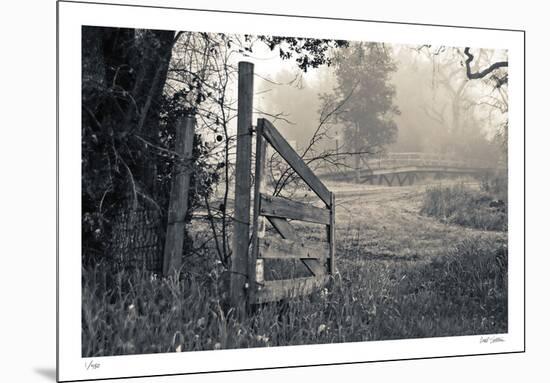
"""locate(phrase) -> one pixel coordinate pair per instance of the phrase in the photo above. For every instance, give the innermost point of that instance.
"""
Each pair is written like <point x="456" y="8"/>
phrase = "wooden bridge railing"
<point x="392" y="160"/>
<point x="402" y="168"/>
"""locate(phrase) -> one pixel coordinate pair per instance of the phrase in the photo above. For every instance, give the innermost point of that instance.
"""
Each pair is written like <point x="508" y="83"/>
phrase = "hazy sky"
<point x="420" y="93"/>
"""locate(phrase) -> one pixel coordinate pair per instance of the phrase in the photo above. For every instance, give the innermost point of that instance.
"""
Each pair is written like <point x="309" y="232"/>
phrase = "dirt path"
<point x="379" y="222"/>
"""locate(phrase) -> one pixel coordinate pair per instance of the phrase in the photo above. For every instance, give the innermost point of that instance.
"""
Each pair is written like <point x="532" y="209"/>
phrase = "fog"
<point x="440" y="109"/>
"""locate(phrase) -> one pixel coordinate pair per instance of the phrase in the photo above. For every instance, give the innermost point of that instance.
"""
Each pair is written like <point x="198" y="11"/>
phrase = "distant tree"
<point x="450" y="76"/>
<point x="363" y="73"/>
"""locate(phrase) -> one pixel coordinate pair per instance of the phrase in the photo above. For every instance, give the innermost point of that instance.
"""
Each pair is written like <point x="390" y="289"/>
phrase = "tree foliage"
<point x="307" y="52"/>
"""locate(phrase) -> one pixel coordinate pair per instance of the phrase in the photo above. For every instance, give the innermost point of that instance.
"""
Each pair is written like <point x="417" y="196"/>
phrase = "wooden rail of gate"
<point x="250" y="246"/>
<point x="318" y="258"/>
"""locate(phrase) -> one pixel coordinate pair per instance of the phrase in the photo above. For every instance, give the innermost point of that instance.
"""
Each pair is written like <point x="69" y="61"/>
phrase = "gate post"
<point x="177" y="208"/>
<point x="239" y="280"/>
<point x="255" y="265"/>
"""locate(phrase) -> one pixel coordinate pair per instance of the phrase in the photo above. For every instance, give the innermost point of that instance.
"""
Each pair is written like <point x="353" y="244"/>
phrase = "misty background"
<point x="439" y="109"/>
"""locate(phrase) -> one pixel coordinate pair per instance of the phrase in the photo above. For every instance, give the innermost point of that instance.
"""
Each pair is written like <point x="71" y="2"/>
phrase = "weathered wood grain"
<point x="259" y="272"/>
<point x="289" y="288"/>
<point x="286" y="231"/>
<point x="315" y="267"/>
<point x="283" y="227"/>
<point x="279" y="207"/>
<point x="259" y="185"/>
<point x="279" y="248"/>
<point x="177" y="206"/>
<point x="241" y="228"/>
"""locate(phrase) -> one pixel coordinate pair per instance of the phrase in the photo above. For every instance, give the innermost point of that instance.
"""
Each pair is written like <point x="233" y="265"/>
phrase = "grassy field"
<point x="402" y="274"/>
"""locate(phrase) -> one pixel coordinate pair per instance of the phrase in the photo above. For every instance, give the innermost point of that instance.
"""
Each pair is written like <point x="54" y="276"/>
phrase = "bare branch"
<point x="483" y="73"/>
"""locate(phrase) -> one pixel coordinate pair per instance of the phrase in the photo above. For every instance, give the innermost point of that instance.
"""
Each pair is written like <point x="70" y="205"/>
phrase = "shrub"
<point x="466" y="206"/>
<point x="496" y="185"/>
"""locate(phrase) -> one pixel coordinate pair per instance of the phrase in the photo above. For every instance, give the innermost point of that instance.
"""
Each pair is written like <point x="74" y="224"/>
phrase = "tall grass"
<point x="496" y="185"/>
<point x="463" y="205"/>
<point x="464" y="291"/>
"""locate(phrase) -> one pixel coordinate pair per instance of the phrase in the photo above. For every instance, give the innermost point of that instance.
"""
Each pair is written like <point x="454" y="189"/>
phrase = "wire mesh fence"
<point x="137" y="239"/>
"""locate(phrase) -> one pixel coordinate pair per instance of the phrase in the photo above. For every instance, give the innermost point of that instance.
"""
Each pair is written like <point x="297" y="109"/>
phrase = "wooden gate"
<point x="250" y="246"/>
<point x="317" y="257"/>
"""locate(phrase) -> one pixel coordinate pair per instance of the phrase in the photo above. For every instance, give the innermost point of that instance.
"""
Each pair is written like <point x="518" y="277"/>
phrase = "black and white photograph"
<point x="274" y="191"/>
<point x="334" y="191"/>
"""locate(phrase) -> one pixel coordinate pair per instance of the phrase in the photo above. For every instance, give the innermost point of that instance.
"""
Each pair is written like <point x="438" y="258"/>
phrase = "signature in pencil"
<point x="491" y="339"/>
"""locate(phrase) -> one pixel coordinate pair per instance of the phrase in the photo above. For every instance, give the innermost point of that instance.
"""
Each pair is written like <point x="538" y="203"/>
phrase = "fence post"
<point x="177" y="208"/>
<point x="241" y="230"/>
<point x="255" y="265"/>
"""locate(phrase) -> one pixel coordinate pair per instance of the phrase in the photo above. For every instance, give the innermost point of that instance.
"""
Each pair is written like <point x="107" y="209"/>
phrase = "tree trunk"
<point x="123" y="76"/>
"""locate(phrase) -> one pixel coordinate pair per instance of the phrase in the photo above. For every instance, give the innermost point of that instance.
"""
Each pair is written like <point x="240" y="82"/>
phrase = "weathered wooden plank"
<point x="279" y="248"/>
<point x="289" y="288"/>
<point x="295" y="161"/>
<point x="315" y="267"/>
<point x="259" y="272"/>
<point x="279" y="207"/>
<point x="259" y="182"/>
<point x="177" y="207"/>
<point x="285" y="229"/>
<point x="240" y="261"/>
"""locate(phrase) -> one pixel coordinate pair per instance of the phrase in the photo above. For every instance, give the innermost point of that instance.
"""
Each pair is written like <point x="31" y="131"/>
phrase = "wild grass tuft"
<point x="462" y="205"/>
